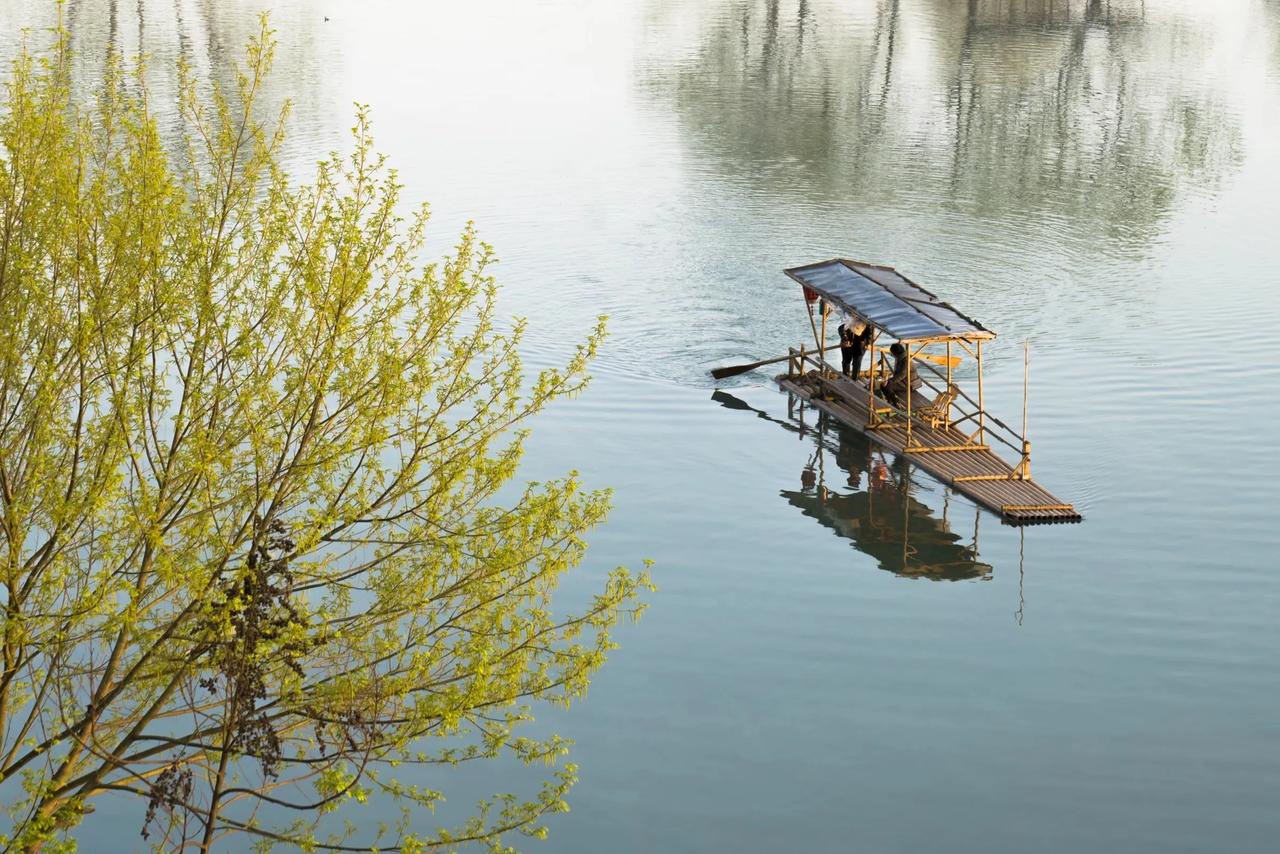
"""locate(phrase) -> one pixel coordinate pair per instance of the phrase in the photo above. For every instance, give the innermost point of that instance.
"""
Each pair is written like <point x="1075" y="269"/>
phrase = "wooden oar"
<point x="734" y="370"/>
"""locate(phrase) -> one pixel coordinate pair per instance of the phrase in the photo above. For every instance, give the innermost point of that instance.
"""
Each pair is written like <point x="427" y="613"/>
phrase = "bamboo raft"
<point x="937" y="434"/>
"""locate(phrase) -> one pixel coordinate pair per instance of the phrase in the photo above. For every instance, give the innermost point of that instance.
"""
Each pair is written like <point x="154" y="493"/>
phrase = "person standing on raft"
<point x="852" y="346"/>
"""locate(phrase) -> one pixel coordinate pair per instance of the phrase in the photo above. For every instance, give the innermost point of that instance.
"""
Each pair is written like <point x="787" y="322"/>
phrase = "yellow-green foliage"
<point x="249" y="452"/>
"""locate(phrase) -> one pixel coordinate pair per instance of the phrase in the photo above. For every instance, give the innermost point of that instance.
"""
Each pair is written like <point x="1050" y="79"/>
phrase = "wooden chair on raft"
<point x="937" y="413"/>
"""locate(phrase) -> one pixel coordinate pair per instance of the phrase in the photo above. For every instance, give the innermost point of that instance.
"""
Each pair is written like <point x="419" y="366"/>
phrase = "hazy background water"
<point x="1101" y="178"/>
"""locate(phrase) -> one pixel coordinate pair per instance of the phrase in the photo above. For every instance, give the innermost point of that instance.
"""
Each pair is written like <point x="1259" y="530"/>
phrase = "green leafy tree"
<point x="254" y="551"/>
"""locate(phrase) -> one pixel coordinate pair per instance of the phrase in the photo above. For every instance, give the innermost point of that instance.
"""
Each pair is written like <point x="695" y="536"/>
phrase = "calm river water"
<point x="887" y="670"/>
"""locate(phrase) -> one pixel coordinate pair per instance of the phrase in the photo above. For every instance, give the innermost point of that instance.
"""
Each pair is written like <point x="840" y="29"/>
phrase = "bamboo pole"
<point x="871" y="381"/>
<point x="809" y="308"/>
<point x="1026" y="370"/>
<point x="1026" y="443"/>
<point x="909" y="396"/>
<point x="1031" y="508"/>
<point x="822" y="359"/>
<point x="982" y="410"/>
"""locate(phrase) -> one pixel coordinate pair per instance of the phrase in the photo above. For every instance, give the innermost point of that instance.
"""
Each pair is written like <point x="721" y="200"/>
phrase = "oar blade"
<point x="733" y="370"/>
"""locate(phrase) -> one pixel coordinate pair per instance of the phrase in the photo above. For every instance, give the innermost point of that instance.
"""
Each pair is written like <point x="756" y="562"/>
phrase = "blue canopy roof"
<point x="887" y="300"/>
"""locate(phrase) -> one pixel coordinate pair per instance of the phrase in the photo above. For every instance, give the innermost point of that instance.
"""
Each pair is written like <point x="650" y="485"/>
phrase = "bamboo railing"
<point x="800" y="360"/>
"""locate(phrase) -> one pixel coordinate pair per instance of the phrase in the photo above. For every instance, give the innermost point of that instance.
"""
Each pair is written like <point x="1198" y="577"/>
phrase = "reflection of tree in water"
<point x="1001" y="108"/>
<point x="1076" y="119"/>
<point x="210" y="36"/>
<point x="1273" y="24"/>
<point x="867" y="496"/>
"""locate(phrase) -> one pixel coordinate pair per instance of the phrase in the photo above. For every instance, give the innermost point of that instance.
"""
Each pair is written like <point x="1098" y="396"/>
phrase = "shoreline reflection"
<point x="1054" y="121"/>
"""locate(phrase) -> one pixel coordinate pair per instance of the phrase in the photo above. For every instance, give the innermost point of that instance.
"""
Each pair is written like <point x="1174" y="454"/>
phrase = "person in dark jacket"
<point x="861" y="343"/>
<point x="847" y="339"/>
<point x="897" y="387"/>
<point x="852" y="346"/>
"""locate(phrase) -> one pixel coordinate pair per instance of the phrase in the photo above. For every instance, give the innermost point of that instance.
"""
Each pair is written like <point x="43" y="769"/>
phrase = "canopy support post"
<point x="871" y="378"/>
<point x="809" y="307"/>
<point x="982" y="410"/>
<point x="909" y="396"/>
<point x="822" y="358"/>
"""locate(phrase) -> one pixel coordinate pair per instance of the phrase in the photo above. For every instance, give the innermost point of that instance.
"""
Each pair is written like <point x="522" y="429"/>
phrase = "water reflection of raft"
<point x="868" y="500"/>
<point x="897" y="530"/>
<point x="947" y="432"/>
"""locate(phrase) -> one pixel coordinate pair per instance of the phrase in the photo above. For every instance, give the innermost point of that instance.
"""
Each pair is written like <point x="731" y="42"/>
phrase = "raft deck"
<point x="979" y="474"/>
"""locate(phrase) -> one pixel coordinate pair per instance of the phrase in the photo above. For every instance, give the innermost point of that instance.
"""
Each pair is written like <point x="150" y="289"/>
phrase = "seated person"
<point x="896" y="387"/>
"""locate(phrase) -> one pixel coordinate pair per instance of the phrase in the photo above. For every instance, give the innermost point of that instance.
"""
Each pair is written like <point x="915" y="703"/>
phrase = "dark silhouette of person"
<point x="862" y="343"/>
<point x="852" y="346"/>
<point x="846" y="347"/>
<point x="854" y="456"/>
<point x="808" y="478"/>
<point x="897" y="387"/>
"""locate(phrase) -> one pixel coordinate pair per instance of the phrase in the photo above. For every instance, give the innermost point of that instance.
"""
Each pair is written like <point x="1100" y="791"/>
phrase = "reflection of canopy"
<point x="887" y="300"/>
<point x="897" y="530"/>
